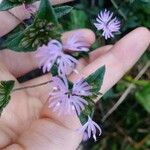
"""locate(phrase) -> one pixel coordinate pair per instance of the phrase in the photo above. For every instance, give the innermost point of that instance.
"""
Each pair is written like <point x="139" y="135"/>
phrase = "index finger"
<point x="9" y="22"/>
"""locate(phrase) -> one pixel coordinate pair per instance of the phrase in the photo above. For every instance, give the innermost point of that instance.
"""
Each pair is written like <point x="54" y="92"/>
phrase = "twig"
<point x="122" y="132"/>
<point x="32" y="86"/>
<point x="93" y="3"/>
<point x="118" y="9"/>
<point x="125" y="94"/>
<point x="142" y="142"/>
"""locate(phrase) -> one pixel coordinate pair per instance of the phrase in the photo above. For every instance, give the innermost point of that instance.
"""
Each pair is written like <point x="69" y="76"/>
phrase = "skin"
<point x="27" y="123"/>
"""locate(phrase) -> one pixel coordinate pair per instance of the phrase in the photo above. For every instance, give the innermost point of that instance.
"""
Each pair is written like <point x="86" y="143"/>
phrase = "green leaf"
<point x="13" y="43"/>
<point x="46" y="11"/>
<point x="12" y="40"/>
<point x="88" y="111"/>
<point x="62" y="11"/>
<point x="143" y="97"/>
<point x="79" y="55"/>
<point x="96" y="79"/>
<point x="5" y="91"/>
<point x="5" y="5"/>
<point x="78" y="19"/>
<point x="17" y="40"/>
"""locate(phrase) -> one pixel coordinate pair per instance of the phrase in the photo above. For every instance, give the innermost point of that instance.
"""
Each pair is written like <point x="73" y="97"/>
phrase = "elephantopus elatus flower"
<point x="55" y="53"/>
<point x="90" y="128"/>
<point x="66" y="100"/>
<point x="107" y="24"/>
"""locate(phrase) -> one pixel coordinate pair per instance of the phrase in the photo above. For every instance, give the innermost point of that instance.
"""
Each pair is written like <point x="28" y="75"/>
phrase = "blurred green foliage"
<point x="128" y="128"/>
<point x="143" y="97"/>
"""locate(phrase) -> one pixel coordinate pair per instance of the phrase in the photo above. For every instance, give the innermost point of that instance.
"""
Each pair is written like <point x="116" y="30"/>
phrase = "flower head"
<point x="66" y="64"/>
<point x="30" y="8"/>
<point x="82" y="88"/>
<point x="107" y="24"/>
<point x="65" y="100"/>
<point x="76" y="43"/>
<point x="53" y="54"/>
<point x="90" y="128"/>
<point x="38" y="33"/>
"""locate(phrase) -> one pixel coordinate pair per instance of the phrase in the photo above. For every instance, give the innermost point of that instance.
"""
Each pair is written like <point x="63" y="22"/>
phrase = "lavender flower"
<point x="65" y="100"/>
<point x="30" y="8"/>
<point x="53" y="53"/>
<point x="81" y="88"/>
<point x="89" y="129"/>
<point x="76" y="43"/>
<point x="107" y="24"/>
<point x="66" y="64"/>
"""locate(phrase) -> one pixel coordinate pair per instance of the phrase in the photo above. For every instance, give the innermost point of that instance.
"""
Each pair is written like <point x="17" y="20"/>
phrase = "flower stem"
<point x="126" y="93"/>
<point x="31" y="86"/>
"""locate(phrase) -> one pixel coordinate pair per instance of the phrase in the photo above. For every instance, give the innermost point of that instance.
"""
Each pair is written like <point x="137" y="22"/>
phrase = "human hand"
<point x="27" y="122"/>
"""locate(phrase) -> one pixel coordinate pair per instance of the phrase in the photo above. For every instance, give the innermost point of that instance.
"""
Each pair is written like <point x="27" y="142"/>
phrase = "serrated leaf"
<point x="13" y="43"/>
<point x="62" y="11"/>
<point x="5" y="91"/>
<point x="46" y="12"/>
<point x="6" y="4"/>
<point x="96" y="79"/>
<point x="12" y="40"/>
<point x="143" y="97"/>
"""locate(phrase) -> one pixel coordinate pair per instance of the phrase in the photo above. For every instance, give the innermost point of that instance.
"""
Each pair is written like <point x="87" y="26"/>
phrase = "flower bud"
<point x="40" y="32"/>
<point x="36" y="43"/>
<point x="31" y="35"/>
<point x="25" y="42"/>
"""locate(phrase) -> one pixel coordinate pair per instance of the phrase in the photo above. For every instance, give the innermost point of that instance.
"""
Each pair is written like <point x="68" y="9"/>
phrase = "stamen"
<point x="94" y="137"/>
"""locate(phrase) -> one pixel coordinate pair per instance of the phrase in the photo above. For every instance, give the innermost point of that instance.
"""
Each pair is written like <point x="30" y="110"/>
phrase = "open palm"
<point x="27" y="122"/>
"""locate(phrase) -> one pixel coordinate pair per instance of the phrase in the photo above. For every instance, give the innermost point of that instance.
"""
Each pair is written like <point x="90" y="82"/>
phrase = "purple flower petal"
<point x="30" y="8"/>
<point x="53" y="54"/>
<point x="90" y="128"/>
<point x="63" y="100"/>
<point x="60" y="84"/>
<point x="82" y="88"/>
<point x="76" y="43"/>
<point x="66" y="64"/>
<point x="78" y="103"/>
<point x="85" y="136"/>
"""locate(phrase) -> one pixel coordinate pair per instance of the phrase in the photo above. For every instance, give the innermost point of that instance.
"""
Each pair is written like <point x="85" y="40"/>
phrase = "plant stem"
<point x="125" y="94"/>
<point x="93" y="3"/>
<point x="32" y="86"/>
